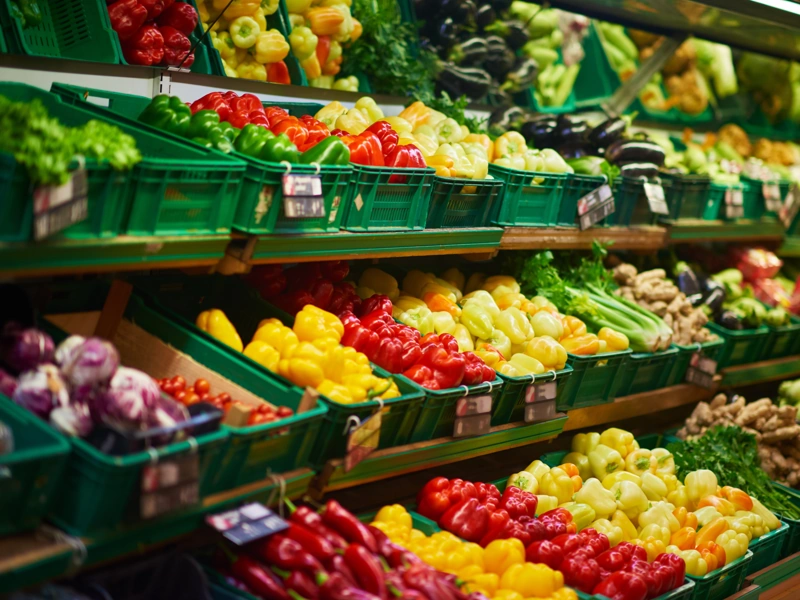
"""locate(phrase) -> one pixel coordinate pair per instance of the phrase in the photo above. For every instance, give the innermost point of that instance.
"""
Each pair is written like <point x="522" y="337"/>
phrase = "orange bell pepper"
<point x="582" y="345"/>
<point x="711" y="531"/>
<point x="723" y="506"/>
<point x="573" y="327"/>
<point x="715" y="550"/>
<point x="739" y="498"/>
<point x="684" y="538"/>
<point x="685" y="517"/>
<point x="440" y="303"/>
<point x="415" y="113"/>
<point x="574" y="475"/>
<point x="711" y="561"/>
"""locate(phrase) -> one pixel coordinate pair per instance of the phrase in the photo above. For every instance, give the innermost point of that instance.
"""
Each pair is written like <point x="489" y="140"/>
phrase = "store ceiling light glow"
<point x="785" y="5"/>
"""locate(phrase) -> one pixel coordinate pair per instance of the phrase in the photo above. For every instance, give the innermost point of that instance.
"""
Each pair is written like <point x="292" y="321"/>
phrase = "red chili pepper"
<point x="581" y="573"/>
<point x="427" y="581"/>
<point x="336" y="587"/>
<point x="674" y="561"/>
<point x="261" y="581"/>
<point x="620" y="586"/>
<point x="545" y="551"/>
<point x="518" y="502"/>
<point x="215" y="101"/>
<point x="367" y="569"/>
<point x="293" y="127"/>
<point x="155" y="7"/>
<point x="337" y="564"/>
<point x="180" y="15"/>
<point x="334" y="515"/>
<point x="145" y="47"/>
<point x="286" y="554"/>
<point x="317" y="131"/>
<point x="278" y="72"/>
<point x="176" y="48"/>
<point x="387" y="136"/>
<point x="406" y="156"/>
<point x="365" y="149"/>
<point x="299" y="582"/>
<point x="323" y="48"/>
<point x="314" y="544"/>
<point x="127" y="17"/>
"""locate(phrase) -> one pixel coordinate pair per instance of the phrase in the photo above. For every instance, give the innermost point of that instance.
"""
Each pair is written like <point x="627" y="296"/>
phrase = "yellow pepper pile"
<point x="242" y="37"/>
<point x="498" y="571"/>
<point x="307" y="354"/>
<point x="632" y="494"/>
<point x="319" y="29"/>
<point x="511" y="151"/>
<point x="512" y="334"/>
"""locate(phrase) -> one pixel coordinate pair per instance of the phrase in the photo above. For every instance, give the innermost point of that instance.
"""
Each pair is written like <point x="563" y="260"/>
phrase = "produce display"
<point x="154" y="33"/>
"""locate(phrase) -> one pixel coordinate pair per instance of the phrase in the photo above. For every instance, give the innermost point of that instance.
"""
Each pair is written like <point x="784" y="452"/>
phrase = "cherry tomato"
<point x="201" y="386"/>
<point x="169" y="388"/>
<point x="225" y="396"/>
<point x="179" y="382"/>
<point x="190" y="399"/>
<point x="205" y="397"/>
<point x="284" y="411"/>
<point x="179" y="396"/>
<point x="190" y="390"/>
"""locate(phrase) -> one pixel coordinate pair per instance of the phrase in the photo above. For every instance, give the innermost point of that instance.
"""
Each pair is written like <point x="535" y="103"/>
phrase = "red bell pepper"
<point x="553" y="528"/>
<point x="215" y="101"/>
<point x="176" y="48"/>
<point x="259" y="580"/>
<point x="597" y="541"/>
<point x="180" y="15"/>
<point x="336" y="517"/>
<point x="496" y="528"/>
<point x="268" y="280"/>
<point x="294" y="128"/>
<point x="127" y="17"/>
<point x="468" y="519"/>
<point x="581" y="573"/>
<point x="362" y="339"/>
<point x="676" y="562"/>
<point x="612" y="560"/>
<point x="311" y="542"/>
<point x="278" y="72"/>
<point x="407" y="156"/>
<point x="558" y="514"/>
<point x="620" y="586"/>
<point x="388" y="137"/>
<point x="293" y="302"/>
<point x="323" y="48"/>
<point x="389" y="355"/>
<point x="344" y="299"/>
<point x="275" y="114"/>
<point x="286" y="554"/>
<point x="335" y="270"/>
<point x="145" y="47"/>
<point x="512" y="529"/>
<point x="300" y="277"/>
<point x="411" y="352"/>
<point x="376" y="302"/>
<point x="473" y="370"/>
<point x="367" y="569"/>
<point x="488" y="492"/>
<point x="433" y="499"/>
<point x="317" y="131"/>
<point x="322" y="291"/>
<point x="423" y="376"/>
<point x="632" y="552"/>
<point x="247" y="103"/>
<point x="155" y="7"/>
<point x="376" y="319"/>
<point x="546" y="552"/>
<point x="365" y="149"/>
<point x="448" y="369"/>
<point x="655" y="583"/>
<point x="519" y="502"/>
<point x="569" y="543"/>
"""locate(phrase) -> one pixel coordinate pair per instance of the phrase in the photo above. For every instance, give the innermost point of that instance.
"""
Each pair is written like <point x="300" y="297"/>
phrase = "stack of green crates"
<point x="509" y="407"/>
<point x="646" y="371"/>
<point x="577" y="187"/>
<point x="458" y="202"/>
<point x="594" y="380"/>
<point x="741" y="347"/>
<point x="529" y="199"/>
<point x="711" y="350"/>
<point x="687" y="195"/>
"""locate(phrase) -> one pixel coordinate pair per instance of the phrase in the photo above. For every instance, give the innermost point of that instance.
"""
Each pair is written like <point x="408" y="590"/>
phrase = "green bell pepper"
<point x="205" y="125"/>
<point x="167" y="113"/>
<point x="229" y="131"/>
<point x="252" y="139"/>
<point x="330" y="151"/>
<point x="280" y="149"/>
<point x="27" y="11"/>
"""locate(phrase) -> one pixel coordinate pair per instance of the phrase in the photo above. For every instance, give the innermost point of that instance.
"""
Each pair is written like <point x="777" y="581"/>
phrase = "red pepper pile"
<point x="333" y="556"/>
<point x="239" y="111"/>
<point x="154" y="32"/>
<point x="378" y="147"/>
<point x="477" y="512"/>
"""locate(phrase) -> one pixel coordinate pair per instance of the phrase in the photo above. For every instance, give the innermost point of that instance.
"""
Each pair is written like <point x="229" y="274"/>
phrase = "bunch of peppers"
<point x="249" y="49"/>
<point x="499" y="571"/>
<point x="154" y="32"/>
<point x="333" y="556"/>
<point x="377" y="146"/>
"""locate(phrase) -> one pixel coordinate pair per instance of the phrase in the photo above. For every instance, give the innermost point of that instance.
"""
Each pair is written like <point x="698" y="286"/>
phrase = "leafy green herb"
<point x="732" y="454"/>
<point x="455" y="109"/>
<point x="384" y="52"/>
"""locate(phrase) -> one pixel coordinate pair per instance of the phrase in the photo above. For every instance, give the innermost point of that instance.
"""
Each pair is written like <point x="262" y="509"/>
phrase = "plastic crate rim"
<point x="728" y="567"/>
<point x="528" y="379"/>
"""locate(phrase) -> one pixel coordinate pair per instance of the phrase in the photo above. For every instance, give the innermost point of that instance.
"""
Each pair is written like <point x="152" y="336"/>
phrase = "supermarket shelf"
<point x="280" y="248"/>
<point x="760" y="372"/>
<point x="790" y="247"/>
<point x="558" y="238"/>
<point x="696" y="230"/>
<point x="33" y="557"/>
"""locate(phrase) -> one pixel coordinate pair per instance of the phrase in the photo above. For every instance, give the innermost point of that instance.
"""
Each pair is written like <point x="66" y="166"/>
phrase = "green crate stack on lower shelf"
<point x="630" y="203"/>
<point x="594" y="380"/>
<point x="716" y="202"/>
<point x="782" y="341"/>
<point x="753" y="198"/>
<point x="768" y="549"/>
<point x="687" y="195"/>
<point x="741" y="347"/>
<point x="32" y="469"/>
<point x="529" y="199"/>
<point x="646" y="371"/>
<point x="509" y="407"/>
<point x="577" y="187"/>
<point x="710" y="350"/>
<point x="458" y="202"/>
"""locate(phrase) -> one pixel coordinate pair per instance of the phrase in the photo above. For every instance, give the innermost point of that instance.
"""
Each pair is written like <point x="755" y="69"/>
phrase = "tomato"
<point x="225" y="396"/>
<point x="190" y="390"/>
<point x="179" y="396"/>
<point x="190" y="399"/>
<point x="201" y="386"/>
<point x="257" y="418"/>
<point x="179" y="382"/>
<point x="205" y="397"/>
<point x="284" y="411"/>
<point x="169" y="388"/>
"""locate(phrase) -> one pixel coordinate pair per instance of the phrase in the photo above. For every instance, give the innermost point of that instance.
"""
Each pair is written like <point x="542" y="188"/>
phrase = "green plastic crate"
<point x="374" y="203"/>
<point x="687" y="195"/>
<point x="741" y="347"/>
<point x="596" y="81"/>
<point x="179" y="188"/>
<point x="71" y="29"/>
<point x="438" y="414"/>
<point x="594" y="380"/>
<point x="723" y="582"/>
<point x="529" y="198"/>
<point x="768" y="549"/>
<point x="509" y="407"/>
<point x="646" y="371"/>
<point x="782" y="341"/>
<point x="30" y="474"/>
<point x="710" y="349"/>
<point x="577" y="187"/>
<point x="791" y="542"/>
<point x="753" y="198"/>
<point x="630" y="204"/>
<point x="457" y="202"/>
<point x="715" y="202"/>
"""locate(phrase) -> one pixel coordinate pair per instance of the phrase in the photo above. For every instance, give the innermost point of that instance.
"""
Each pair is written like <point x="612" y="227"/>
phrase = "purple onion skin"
<point x="41" y="390"/>
<point x="25" y="349"/>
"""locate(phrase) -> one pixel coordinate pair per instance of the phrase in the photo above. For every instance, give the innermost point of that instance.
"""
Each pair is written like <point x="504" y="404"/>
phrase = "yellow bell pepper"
<point x="368" y="106"/>
<point x="485" y="583"/>
<point x="505" y="297"/>
<point x="216" y="324"/>
<point x="484" y="141"/>
<point x="604" y="461"/>
<point x="695" y="565"/>
<point x="664" y="462"/>
<point x="478" y="320"/>
<point x="582" y="514"/>
<point x="444" y="165"/>
<point x="700" y="484"/>
<point x="224" y="44"/>
<point x="526" y="365"/>
<point x="324" y="20"/>
<point x="630" y="498"/>
<point x="581" y="461"/>
<point x="270" y="47"/>
<point x="491" y="356"/>
<point x="618" y="439"/>
<point x="420" y="318"/>
<point x="583" y="443"/>
<point x="263" y="354"/>
<point x="244" y="31"/>
<point x="312" y="323"/>
<point x="610" y="481"/>
<point x="621" y="520"/>
<point x="660" y="514"/>
<point x="615" y="341"/>
<point x="237" y="8"/>
<point x="426" y="144"/>
<point x="500" y="555"/>
<point x="443" y="322"/>
<point x="497" y="280"/>
<point x="524" y="481"/>
<point x="510" y="162"/>
<point x="464" y="339"/>
<point x="251" y="69"/>
<point x="303" y="372"/>
<point x="394" y="513"/>
<point x="680" y="498"/>
<point x="510" y="143"/>
<point x="770" y="520"/>
<point x="399" y="124"/>
<point x="381" y="282"/>
<point x="657" y="532"/>
<point x="514" y="324"/>
<point x="734" y="544"/>
<point x="671" y="481"/>
<point x="639" y="462"/>
<point x="354" y="121"/>
<point x="557" y="483"/>
<point x="328" y="114"/>
<point x="405" y="302"/>
<point x="611" y="531"/>
<point x="545" y="503"/>
<point x="599" y="498"/>
<point x="303" y="42"/>
<point x="497" y="340"/>
<point x="433" y="287"/>
<point x="415" y="113"/>
<point x="530" y="579"/>
<point x="654" y="488"/>
<point x="547" y="351"/>
<point x="652" y="546"/>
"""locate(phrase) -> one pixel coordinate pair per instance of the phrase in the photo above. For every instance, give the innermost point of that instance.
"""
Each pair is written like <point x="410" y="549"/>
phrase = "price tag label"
<point x="595" y="206"/>
<point x="790" y="206"/>
<point x="772" y="196"/>
<point x="302" y="197"/>
<point x="473" y="416"/>
<point x="734" y="203"/>
<point x="362" y="441"/>
<point x="540" y="411"/>
<point x="540" y="392"/>
<point x="701" y="370"/>
<point x="247" y="523"/>
<point x="169" y="485"/>
<point x="56" y="207"/>
<point x="655" y="198"/>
